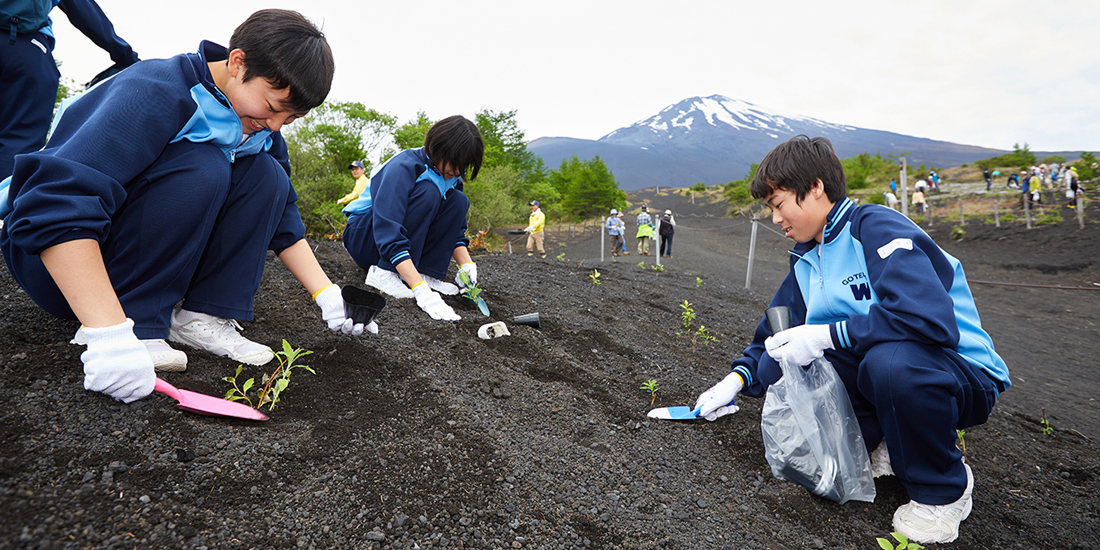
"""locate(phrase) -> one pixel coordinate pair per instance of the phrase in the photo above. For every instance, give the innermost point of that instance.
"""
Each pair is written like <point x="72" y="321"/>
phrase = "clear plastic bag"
<point x="812" y="437"/>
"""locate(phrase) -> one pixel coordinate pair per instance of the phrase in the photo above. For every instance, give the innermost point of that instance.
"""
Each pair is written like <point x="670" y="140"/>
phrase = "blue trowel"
<point x="674" y="413"/>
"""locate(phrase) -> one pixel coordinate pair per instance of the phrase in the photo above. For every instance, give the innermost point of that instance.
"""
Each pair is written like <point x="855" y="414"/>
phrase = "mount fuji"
<point x="715" y="139"/>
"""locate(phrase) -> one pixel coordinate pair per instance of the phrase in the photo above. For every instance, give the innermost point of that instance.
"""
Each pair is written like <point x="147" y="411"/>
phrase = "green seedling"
<point x="472" y="291"/>
<point x="687" y="316"/>
<point x="641" y="264"/>
<point x="701" y="335"/>
<point x="1047" y="428"/>
<point x="595" y="276"/>
<point x="903" y="543"/>
<point x="274" y="384"/>
<point x="658" y="267"/>
<point x="561" y="256"/>
<point x="698" y="282"/>
<point x="651" y="387"/>
<point x="962" y="441"/>
<point x="957" y="233"/>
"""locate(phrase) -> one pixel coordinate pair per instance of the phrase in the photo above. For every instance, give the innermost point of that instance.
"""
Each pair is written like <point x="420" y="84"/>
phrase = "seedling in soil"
<point x="962" y="441"/>
<point x="641" y="264"/>
<point x="561" y="256"/>
<point x="1047" y="428"/>
<point x="701" y="335"/>
<point x="651" y="387"/>
<point x="687" y="317"/>
<point x="698" y="282"/>
<point x="274" y="384"/>
<point x="658" y="267"/>
<point x="595" y="276"/>
<point x="903" y="543"/>
<point x="472" y="291"/>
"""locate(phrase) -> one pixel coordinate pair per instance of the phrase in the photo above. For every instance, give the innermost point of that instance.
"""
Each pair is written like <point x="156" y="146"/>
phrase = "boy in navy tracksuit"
<point x="29" y="77"/>
<point x="414" y="220"/>
<point x="893" y="313"/>
<point x="169" y="182"/>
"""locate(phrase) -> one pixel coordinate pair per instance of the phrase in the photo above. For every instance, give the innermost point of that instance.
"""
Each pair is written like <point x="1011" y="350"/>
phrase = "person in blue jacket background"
<point x="169" y="182"/>
<point x="29" y="76"/>
<point x="875" y="295"/>
<point x="414" y="222"/>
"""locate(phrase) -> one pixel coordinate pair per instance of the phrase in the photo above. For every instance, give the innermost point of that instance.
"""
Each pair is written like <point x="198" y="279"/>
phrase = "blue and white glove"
<point x="331" y="303"/>
<point x="470" y="269"/>
<point x="117" y="363"/>
<point x="718" y="401"/>
<point x="800" y="345"/>
<point x="432" y="303"/>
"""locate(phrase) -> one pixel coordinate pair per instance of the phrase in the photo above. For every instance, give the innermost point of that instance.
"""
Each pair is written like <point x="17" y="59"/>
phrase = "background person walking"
<point x="666" y="229"/>
<point x="615" y="228"/>
<point x="645" y="231"/>
<point x="535" y="226"/>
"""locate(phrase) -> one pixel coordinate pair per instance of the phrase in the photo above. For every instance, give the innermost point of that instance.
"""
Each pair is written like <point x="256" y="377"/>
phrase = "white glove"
<point x="431" y="302"/>
<point x="800" y="345"/>
<point x="117" y="363"/>
<point x="527" y="229"/>
<point x="331" y="303"/>
<point x="470" y="269"/>
<point x="718" y="401"/>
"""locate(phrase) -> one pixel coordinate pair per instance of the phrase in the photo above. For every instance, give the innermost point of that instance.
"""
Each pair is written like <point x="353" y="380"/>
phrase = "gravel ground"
<point x="425" y="436"/>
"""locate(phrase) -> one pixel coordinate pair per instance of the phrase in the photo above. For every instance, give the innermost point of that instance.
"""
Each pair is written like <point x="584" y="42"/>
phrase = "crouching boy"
<point x="878" y="298"/>
<point x="168" y="183"/>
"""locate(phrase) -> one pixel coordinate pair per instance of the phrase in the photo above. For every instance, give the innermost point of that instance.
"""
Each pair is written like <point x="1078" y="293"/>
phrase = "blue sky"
<point x="977" y="72"/>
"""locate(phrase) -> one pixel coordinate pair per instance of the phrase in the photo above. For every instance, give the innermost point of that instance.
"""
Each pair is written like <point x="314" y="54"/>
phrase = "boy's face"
<point x="259" y="105"/>
<point x="802" y="222"/>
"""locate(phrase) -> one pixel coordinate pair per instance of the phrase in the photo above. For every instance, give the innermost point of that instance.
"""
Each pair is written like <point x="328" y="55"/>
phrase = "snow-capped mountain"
<point x="715" y="139"/>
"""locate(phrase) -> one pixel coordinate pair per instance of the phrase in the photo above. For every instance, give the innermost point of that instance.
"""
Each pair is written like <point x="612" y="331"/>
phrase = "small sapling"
<point x="651" y="387"/>
<point x="274" y="384"/>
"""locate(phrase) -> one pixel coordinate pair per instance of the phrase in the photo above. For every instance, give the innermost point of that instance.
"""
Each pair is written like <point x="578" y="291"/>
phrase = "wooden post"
<point x="1080" y="209"/>
<point x="904" y="191"/>
<point x="996" y="215"/>
<point x="1027" y="209"/>
<point x="603" y="236"/>
<point x="962" y="216"/>
<point x="752" y="251"/>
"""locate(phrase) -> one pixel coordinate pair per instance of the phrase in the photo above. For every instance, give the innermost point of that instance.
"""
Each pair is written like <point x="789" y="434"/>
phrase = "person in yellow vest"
<point x="361" y="183"/>
<point x="535" y="224"/>
<point x="645" y="231"/>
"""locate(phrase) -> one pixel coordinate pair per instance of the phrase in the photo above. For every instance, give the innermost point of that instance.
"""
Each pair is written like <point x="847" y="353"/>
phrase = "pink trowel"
<point x="205" y="404"/>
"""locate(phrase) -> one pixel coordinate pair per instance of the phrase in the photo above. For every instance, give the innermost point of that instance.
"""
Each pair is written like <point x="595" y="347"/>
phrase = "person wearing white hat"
<point x="615" y="227"/>
<point x="666" y="229"/>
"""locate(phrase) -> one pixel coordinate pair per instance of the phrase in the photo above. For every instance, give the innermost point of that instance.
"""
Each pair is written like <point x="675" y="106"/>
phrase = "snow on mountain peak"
<point x="719" y="111"/>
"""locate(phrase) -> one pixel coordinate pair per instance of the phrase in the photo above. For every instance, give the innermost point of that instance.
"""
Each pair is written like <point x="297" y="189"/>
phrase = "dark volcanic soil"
<point x="425" y="436"/>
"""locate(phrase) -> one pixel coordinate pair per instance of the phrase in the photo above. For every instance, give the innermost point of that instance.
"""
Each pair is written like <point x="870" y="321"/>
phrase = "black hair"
<point x="457" y="142"/>
<point x="283" y="47"/>
<point x="795" y="165"/>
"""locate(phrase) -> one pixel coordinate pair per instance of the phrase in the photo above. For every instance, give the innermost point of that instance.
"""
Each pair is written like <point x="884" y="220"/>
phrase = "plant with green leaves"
<point x="595" y="276"/>
<point x="903" y="543"/>
<point x="641" y="264"/>
<point x="651" y="387"/>
<point x="698" y="282"/>
<point x="561" y="256"/>
<point x="1047" y="428"/>
<point x="957" y="233"/>
<point x="274" y="384"/>
<point x="472" y="291"/>
<point x="700" y="335"/>
<point x="962" y="441"/>
<point x="687" y="316"/>
<point x="658" y="267"/>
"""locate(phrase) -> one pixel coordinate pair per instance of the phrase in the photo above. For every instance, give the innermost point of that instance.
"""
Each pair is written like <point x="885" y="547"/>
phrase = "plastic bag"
<point x="812" y="437"/>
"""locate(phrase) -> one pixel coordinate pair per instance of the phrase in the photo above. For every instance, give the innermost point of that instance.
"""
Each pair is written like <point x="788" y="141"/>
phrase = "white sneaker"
<point x="925" y="523"/>
<point x="880" y="461"/>
<point x="388" y="282"/>
<point x="218" y="336"/>
<point x="442" y="287"/>
<point x="165" y="357"/>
